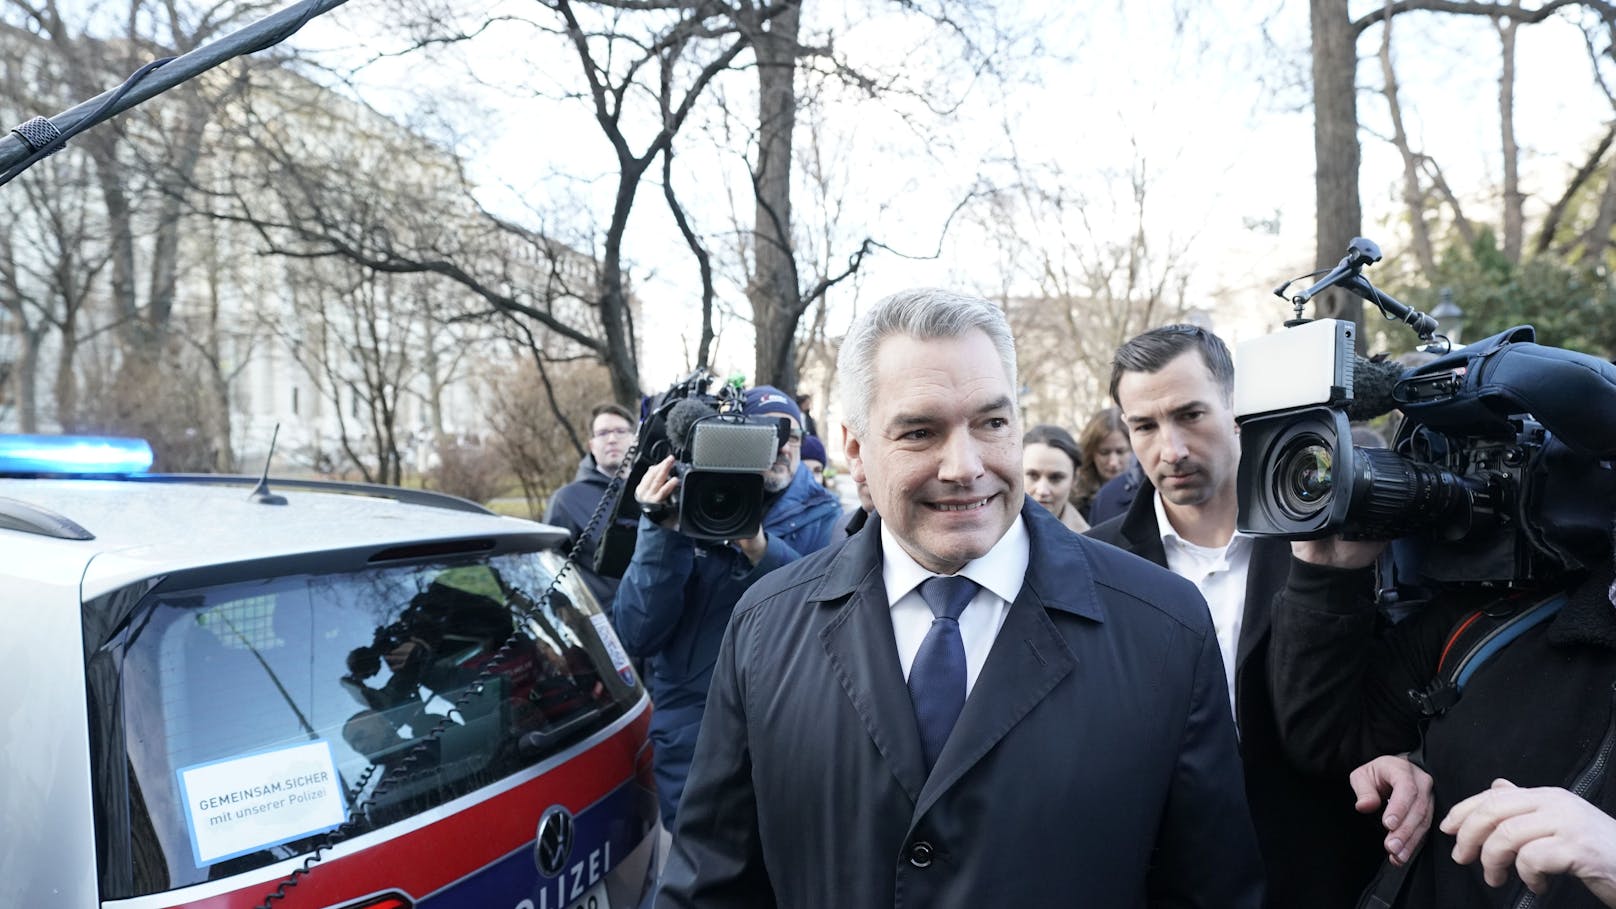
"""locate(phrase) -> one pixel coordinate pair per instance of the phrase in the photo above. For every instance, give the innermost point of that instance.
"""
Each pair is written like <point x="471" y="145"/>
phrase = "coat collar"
<point x="1588" y="617"/>
<point x="1139" y="528"/>
<point x="1060" y="574"/>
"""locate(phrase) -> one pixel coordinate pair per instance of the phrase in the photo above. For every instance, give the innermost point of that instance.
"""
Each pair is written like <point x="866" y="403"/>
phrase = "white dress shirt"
<point x="1220" y="574"/>
<point x="998" y="574"/>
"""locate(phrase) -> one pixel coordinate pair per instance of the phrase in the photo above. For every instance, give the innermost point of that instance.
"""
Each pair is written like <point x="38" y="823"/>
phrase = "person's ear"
<point x="853" y="450"/>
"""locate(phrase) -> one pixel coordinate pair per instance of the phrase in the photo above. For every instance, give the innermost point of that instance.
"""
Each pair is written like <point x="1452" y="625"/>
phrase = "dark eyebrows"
<point x="1178" y="411"/>
<point x="1001" y="403"/>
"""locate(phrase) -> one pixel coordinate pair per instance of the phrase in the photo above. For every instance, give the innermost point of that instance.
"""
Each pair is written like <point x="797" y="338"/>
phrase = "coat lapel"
<point x="1029" y="657"/>
<point x="1270" y="564"/>
<point x="863" y="652"/>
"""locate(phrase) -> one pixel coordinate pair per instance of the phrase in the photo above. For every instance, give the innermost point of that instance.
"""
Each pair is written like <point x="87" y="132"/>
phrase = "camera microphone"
<point x="682" y="417"/>
<point x="1372" y="385"/>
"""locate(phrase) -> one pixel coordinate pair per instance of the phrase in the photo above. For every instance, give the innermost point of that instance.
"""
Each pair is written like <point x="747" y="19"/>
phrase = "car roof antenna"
<point x="261" y="493"/>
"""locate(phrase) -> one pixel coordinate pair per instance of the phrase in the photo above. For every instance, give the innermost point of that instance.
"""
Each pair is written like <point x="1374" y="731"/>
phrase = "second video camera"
<point x="720" y="454"/>
<point x="1499" y="473"/>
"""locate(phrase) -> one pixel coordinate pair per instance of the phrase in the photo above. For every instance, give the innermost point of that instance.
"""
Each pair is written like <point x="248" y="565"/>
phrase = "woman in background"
<point x="1049" y="458"/>
<point x="1103" y="446"/>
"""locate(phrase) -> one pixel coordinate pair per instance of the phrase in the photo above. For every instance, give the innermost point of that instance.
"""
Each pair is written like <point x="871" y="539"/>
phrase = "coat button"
<point x="920" y="854"/>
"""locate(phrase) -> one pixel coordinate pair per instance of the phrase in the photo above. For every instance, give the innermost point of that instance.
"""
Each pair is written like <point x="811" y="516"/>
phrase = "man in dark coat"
<point x="611" y="430"/>
<point x="963" y="704"/>
<point x="1173" y="386"/>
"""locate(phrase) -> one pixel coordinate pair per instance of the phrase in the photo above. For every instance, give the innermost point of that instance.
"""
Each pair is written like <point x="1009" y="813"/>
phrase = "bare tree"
<point x="359" y="335"/>
<point x="1081" y="276"/>
<point x="1335" y="36"/>
<point x="50" y="260"/>
<point x="541" y="452"/>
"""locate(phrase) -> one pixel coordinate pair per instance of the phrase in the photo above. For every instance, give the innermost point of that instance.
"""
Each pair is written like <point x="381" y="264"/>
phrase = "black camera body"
<point x="1499" y="474"/>
<point x="721" y="468"/>
<point x="720" y="456"/>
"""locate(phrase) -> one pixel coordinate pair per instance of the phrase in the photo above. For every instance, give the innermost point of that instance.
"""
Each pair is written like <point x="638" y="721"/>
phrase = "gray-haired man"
<point x="964" y="704"/>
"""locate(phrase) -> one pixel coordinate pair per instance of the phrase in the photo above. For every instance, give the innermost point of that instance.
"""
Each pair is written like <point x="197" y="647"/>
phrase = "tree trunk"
<point x="774" y="291"/>
<point x="218" y="377"/>
<point x="66" y="386"/>
<point x="1414" y="195"/>
<point x="184" y="153"/>
<point x="24" y="378"/>
<point x="1335" y="148"/>
<point x="1514" y="199"/>
<point x="615" y="317"/>
<point x="22" y="373"/>
<point x="120" y="237"/>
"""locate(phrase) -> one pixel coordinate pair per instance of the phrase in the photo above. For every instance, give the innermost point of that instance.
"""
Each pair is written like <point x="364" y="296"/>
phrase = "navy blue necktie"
<point x="937" y="676"/>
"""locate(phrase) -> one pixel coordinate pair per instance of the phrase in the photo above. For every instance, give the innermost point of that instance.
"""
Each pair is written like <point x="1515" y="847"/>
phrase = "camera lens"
<point x="720" y="508"/>
<point x="1305" y="476"/>
<point x="1309" y="473"/>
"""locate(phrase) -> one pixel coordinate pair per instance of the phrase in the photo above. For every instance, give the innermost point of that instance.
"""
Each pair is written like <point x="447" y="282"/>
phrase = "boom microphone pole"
<point x="39" y="138"/>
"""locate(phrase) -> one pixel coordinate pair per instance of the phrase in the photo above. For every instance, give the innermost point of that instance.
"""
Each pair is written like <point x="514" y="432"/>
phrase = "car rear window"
<point x="245" y="718"/>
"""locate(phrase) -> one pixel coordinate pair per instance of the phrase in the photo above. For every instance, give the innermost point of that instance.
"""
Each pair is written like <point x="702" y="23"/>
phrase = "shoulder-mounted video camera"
<point x="1501" y="469"/>
<point x="720" y="456"/>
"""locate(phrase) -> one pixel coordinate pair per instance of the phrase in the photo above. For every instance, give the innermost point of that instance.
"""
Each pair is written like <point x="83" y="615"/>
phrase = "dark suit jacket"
<point x="1318" y="851"/>
<point x="1094" y="763"/>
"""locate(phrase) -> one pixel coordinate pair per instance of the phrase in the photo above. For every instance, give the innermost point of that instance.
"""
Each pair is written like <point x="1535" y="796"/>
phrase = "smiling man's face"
<point x="942" y="455"/>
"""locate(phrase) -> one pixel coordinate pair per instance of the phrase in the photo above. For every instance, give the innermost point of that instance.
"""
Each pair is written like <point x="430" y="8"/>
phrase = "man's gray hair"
<point x="923" y="313"/>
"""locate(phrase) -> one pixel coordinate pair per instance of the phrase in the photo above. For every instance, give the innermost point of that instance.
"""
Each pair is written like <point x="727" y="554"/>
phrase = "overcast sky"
<point x="1212" y="99"/>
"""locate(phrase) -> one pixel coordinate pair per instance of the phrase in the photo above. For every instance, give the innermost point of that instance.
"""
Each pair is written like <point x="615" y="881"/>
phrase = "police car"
<point x="308" y="694"/>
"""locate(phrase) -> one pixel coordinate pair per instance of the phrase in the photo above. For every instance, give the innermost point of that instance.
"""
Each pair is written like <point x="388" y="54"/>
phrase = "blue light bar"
<point x="73" y="455"/>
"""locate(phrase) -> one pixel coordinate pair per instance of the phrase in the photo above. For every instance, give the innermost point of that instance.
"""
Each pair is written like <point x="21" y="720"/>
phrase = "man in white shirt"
<point x="1174" y="386"/>
<point x="966" y="705"/>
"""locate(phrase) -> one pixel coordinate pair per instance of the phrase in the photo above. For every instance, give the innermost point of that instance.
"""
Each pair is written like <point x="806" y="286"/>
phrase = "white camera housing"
<point x="1304" y="366"/>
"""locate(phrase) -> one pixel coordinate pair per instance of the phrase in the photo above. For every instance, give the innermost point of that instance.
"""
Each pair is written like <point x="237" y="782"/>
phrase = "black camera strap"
<point x="1477" y="638"/>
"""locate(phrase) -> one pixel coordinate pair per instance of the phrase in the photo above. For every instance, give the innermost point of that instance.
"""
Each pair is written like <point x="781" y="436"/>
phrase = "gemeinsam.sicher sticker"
<point x="244" y="804"/>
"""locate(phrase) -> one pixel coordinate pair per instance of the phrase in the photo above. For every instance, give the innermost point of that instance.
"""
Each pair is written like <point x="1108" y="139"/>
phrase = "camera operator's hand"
<point x="1335" y="552"/>
<point x="656" y="490"/>
<point x="1540" y="832"/>
<point x="754" y="547"/>
<point x="1406" y="791"/>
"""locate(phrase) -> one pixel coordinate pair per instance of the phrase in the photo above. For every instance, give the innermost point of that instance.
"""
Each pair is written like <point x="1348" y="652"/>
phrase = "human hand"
<point x="656" y="489"/>
<point x="1540" y="832"/>
<point x="1405" y="789"/>
<point x="754" y="547"/>
<point x="1335" y="552"/>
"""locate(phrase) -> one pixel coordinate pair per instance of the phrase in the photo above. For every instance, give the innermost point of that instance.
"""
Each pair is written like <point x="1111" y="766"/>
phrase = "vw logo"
<point x="553" y="842"/>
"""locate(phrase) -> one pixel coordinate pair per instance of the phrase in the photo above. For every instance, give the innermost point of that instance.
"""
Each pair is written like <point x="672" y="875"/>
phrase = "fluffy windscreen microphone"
<point x="1372" y="384"/>
<point x="683" y="416"/>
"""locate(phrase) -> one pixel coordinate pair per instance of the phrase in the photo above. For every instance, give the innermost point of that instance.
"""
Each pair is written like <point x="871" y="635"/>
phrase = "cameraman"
<point x="1540" y="714"/>
<point x="677" y="594"/>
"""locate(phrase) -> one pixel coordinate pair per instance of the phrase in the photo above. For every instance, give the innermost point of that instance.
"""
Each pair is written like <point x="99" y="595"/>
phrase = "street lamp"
<point x="1449" y="316"/>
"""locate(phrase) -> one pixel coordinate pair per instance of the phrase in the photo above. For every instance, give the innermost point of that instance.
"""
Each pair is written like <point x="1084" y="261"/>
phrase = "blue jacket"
<point x="675" y="601"/>
<point x="1116" y="495"/>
